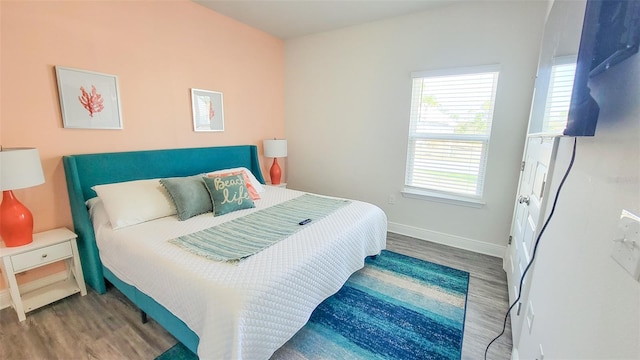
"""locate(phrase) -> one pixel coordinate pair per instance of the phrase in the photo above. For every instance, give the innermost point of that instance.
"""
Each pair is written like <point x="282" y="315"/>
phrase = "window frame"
<point x="451" y="197"/>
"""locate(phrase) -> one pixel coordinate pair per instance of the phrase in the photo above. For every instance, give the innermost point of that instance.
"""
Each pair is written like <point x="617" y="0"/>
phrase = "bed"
<point x="218" y="309"/>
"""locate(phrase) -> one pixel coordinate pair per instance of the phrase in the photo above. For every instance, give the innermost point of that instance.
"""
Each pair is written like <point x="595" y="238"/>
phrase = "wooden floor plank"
<point x="109" y="327"/>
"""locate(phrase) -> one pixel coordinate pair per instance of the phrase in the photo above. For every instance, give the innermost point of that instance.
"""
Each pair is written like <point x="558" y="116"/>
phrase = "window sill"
<point x="443" y="198"/>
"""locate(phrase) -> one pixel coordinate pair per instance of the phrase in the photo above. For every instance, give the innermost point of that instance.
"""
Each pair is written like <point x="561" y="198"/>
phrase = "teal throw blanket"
<point x="240" y="238"/>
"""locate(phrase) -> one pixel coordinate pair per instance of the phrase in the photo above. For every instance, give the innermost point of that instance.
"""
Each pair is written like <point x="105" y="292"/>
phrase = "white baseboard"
<point x="448" y="239"/>
<point x="5" y="296"/>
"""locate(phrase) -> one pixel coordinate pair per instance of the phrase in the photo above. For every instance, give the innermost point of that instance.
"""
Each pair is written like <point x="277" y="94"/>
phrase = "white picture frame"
<point x="88" y="99"/>
<point x="208" y="110"/>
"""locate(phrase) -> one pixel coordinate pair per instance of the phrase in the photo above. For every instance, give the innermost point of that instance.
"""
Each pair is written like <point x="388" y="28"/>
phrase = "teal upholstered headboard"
<point x="86" y="170"/>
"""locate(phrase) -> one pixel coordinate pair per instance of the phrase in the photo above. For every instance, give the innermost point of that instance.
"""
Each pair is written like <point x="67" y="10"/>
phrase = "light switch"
<point x="626" y="245"/>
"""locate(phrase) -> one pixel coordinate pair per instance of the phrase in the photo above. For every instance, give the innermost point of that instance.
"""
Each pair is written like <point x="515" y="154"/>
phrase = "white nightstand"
<point x="47" y="247"/>
<point x="282" y="185"/>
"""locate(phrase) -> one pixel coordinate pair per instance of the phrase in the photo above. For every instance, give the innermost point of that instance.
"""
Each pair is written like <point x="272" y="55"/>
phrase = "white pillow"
<point x="256" y="184"/>
<point x="97" y="213"/>
<point x="132" y="202"/>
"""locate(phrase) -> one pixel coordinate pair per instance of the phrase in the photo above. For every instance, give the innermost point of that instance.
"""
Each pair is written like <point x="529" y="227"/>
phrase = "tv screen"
<point x="610" y="34"/>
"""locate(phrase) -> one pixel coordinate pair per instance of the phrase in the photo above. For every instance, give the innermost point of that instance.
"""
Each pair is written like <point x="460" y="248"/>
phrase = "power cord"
<point x="535" y="247"/>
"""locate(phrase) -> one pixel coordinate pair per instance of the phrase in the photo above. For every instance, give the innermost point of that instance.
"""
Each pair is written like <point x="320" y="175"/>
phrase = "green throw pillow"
<point x="228" y="193"/>
<point x="189" y="194"/>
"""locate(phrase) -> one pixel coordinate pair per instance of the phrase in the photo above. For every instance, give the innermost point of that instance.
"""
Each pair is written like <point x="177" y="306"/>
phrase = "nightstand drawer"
<point x="41" y="256"/>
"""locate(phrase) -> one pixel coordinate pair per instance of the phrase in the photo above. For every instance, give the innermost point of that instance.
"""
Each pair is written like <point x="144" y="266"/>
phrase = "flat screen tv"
<point x="610" y="35"/>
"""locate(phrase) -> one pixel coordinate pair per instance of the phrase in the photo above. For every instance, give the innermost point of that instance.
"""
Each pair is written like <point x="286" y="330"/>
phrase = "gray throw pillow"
<point x="189" y="194"/>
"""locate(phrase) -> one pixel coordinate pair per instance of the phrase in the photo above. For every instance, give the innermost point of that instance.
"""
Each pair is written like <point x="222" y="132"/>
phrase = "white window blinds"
<point x="450" y="127"/>
<point x="556" y="109"/>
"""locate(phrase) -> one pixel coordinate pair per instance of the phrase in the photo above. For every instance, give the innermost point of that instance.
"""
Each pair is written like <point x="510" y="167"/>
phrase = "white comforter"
<point x="246" y="310"/>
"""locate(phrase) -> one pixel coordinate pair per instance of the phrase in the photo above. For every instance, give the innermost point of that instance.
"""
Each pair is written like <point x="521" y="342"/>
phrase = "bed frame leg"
<point x="143" y="317"/>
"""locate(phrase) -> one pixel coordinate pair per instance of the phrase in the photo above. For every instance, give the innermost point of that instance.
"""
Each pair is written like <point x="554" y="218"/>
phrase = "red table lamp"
<point x="19" y="168"/>
<point x="275" y="149"/>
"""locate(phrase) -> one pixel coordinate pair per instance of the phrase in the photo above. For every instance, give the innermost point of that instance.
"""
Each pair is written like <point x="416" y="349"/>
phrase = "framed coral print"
<point x="208" y="113"/>
<point x="88" y="100"/>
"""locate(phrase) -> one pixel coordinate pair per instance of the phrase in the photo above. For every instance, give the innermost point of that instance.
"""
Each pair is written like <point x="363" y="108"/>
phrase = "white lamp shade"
<point x="20" y="168"/>
<point x="275" y="148"/>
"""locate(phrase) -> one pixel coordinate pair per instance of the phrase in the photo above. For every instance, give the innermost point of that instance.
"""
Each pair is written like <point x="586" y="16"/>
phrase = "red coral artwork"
<point x="211" y="112"/>
<point x="91" y="101"/>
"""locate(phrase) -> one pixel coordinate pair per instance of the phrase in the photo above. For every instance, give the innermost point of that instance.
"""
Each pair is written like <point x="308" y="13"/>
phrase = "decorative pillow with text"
<point x="228" y="193"/>
<point x="253" y="193"/>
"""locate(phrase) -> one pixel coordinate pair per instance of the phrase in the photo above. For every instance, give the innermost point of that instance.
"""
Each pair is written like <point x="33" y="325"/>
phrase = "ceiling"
<point x="293" y="18"/>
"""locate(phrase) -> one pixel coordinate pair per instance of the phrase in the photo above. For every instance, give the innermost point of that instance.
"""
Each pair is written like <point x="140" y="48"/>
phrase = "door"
<point x="529" y="215"/>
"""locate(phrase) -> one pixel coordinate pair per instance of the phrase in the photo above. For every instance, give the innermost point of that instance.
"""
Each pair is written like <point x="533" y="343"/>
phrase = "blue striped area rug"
<point x="396" y="307"/>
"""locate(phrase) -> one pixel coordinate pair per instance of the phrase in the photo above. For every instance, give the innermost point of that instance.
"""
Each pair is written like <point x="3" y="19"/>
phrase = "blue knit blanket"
<point x="242" y="237"/>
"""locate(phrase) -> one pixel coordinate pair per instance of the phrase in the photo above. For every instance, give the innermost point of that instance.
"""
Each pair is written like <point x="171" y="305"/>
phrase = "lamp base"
<point x="16" y="221"/>
<point x="275" y="173"/>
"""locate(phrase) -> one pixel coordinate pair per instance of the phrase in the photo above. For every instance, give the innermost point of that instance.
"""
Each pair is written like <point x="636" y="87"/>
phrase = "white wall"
<point x="347" y="98"/>
<point x="586" y="306"/>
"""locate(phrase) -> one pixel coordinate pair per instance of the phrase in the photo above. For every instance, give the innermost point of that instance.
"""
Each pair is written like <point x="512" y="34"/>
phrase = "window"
<point x="556" y="109"/>
<point x="449" y="131"/>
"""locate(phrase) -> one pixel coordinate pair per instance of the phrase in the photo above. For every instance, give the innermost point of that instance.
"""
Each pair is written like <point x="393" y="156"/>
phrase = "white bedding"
<point x="246" y="310"/>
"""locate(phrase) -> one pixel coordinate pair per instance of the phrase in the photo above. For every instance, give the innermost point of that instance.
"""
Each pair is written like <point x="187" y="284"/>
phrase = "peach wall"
<point x="159" y="51"/>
